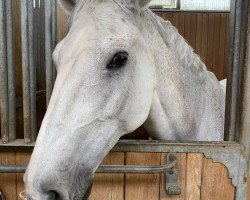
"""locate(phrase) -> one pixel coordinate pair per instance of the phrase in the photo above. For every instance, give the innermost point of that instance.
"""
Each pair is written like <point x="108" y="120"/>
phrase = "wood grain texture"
<point x="222" y="45"/>
<point x="21" y="159"/>
<point x="216" y="44"/>
<point x="109" y="186"/>
<point x="193" y="176"/>
<point x="210" y="42"/>
<point x="199" y="33"/>
<point x="182" y="160"/>
<point x="199" y="178"/>
<point x="216" y="183"/>
<point x="142" y="186"/>
<point x="17" y="47"/>
<point x="227" y="45"/>
<point x="187" y="27"/>
<point x="204" y="44"/>
<point x="8" y="181"/>
<point x="193" y="30"/>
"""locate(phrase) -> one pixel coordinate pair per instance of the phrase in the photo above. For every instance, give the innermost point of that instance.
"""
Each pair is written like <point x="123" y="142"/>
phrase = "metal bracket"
<point x="1" y="196"/>
<point x="236" y="165"/>
<point x="171" y="176"/>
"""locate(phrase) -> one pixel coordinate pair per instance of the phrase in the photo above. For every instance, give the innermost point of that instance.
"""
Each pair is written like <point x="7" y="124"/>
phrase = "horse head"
<point x="103" y="90"/>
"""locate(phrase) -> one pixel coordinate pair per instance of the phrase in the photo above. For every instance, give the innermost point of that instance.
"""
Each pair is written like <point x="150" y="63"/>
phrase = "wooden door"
<point x="199" y="178"/>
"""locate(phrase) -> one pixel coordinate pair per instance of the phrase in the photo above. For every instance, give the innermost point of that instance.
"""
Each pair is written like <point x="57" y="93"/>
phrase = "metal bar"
<point x="48" y="49"/>
<point x="245" y="134"/>
<point x="137" y="169"/>
<point x="232" y="100"/>
<point x="41" y="41"/>
<point x="229" y="71"/>
<point x="25" y="71"/>
<point x="32" y="66"/>
<point x="147" y="146"/>
<point x="12" y="168"/>
<point x="3" y="77"/>
<point x="106" y="168"/>
<point x="11" y="70"/>
<point x="54" y="34"/>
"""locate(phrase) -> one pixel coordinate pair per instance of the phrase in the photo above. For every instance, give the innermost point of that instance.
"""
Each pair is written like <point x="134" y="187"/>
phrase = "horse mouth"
<point x="87" y="193"/>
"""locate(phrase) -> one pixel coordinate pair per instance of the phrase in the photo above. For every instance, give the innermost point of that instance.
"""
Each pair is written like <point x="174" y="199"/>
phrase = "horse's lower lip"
<point x="87" y="193"/>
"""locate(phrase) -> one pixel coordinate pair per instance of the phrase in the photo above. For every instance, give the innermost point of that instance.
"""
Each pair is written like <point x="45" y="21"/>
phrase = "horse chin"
<point x="87" y="193"/>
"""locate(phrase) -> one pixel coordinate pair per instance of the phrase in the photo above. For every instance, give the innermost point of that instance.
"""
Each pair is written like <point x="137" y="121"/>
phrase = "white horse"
<point x="119" y="67"/>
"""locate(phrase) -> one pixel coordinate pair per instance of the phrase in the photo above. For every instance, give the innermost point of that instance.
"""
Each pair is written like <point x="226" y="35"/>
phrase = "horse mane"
<point x="177" y="44"/>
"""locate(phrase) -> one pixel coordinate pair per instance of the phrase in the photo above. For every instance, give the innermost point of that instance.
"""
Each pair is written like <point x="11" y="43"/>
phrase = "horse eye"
<point x="118" y="61"/>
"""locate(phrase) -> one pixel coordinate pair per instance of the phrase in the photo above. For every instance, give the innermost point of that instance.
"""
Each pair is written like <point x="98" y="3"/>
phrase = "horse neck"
<point x="181" y="81"/>
<point x="177" y="45"/>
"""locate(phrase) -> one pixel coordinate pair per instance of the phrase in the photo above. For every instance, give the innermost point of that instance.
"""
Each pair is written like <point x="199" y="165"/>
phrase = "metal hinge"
<point x="172" y="187"/>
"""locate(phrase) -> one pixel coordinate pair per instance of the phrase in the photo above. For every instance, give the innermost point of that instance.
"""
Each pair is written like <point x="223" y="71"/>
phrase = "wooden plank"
<point x="8" y="181"/>
<point x="18" y="63"/>
<point x="17" y="47"/>
<point x="181" y="179"/>
<point x="216" y="183"/>
<point x="187" y="27"/>
<point x="142" y="186"/>
<point x="204" y="38"/>
<point x="160" y="14"/>
<point x="169" y="17"/>
<point x="223" y="41"/>
<point x="199" y="34"/>
<point x="193" y="177"/>
<point x="175" y="20"/>
<point x="21" y="159"/>
<point x="227" y="36"/>
<point x="210" y="43"/>
<point x="181" y="24"/>
<point x="109" y="186"/>
<point x="216" y="46"/>
<point x="193" y="30"/>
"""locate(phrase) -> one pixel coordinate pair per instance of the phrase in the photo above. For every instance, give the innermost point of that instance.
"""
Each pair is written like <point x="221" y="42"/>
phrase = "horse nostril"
<point x="53" y="194"/>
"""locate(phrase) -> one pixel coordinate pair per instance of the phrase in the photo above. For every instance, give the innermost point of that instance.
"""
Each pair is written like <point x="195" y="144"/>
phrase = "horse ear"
<point x="68" y="5"/>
